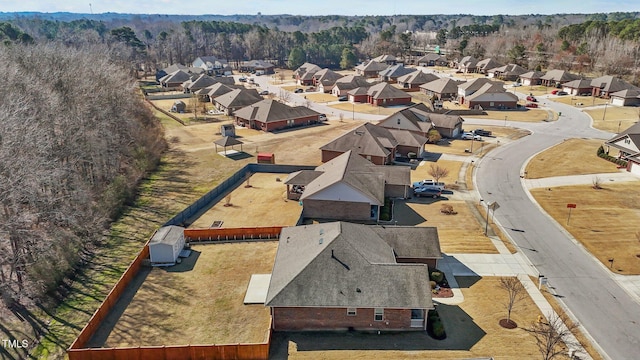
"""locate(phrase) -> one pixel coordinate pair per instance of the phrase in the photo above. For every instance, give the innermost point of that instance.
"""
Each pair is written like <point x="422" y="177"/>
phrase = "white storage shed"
<point x="166" y="244"/>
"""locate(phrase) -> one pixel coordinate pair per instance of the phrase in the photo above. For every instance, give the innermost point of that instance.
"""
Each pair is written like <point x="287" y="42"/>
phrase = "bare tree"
<point x="285" y="96"/>
<point x="515" y="293"/>
<point x="554" y="336"/>
<point x="341" y="116"/>
<point x="438" y="172"/>
<point x="597" y="183"/>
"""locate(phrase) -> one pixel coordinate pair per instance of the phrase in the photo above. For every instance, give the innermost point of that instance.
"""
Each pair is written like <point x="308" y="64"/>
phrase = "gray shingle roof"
<point x="417" y="78"/>
<point x="411" y="241"/>
<point x="372" y="66"/>
<point x="396" y="71"/>
<point x="238" y="98"/>
<point x="610" y="84"/>
<point x="302" y="177"/>
<point x="269" y="110"/>
<point x="167" y="235"/>
<point x="386" y="91"/>
<point x="343" y="265"/>
<point x="442" y="86"/>
<point x="559" y="76"/>
<point x="366" y="139"/>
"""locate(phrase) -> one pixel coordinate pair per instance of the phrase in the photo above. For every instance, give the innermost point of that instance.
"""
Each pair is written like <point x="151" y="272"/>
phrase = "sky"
<point x="325" y="7"/>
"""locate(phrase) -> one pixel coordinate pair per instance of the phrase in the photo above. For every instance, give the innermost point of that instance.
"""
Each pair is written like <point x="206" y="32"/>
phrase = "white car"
<point x="429" y="183"/>
<point x="470" y="136"/>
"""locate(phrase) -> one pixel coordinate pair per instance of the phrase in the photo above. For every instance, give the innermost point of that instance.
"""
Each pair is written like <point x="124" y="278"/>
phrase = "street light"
<point x="605" y="111"/>
<point x="353" y="110"/>
<point x="505" y="120"/>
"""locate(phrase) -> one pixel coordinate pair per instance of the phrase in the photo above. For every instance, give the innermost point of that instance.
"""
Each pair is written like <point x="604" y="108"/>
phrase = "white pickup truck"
<point x="429" y="183"/>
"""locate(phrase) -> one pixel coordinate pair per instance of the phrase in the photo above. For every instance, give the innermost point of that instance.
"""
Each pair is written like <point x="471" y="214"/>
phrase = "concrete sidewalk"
<point x="622" y="176"/>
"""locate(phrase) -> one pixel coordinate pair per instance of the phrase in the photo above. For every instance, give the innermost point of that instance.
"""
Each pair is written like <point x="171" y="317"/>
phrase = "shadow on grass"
<point x="462" y="334"/>
<point x="187" y="263"/>
<point x="404" y="215"/>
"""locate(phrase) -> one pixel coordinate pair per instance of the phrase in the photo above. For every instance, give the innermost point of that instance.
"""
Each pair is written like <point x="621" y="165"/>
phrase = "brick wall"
<point x="313" y="318"/>
<point x="324" y="209"/>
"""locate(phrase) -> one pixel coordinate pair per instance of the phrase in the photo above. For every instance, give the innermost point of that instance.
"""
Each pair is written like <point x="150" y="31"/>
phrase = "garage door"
<point x="635" y="168"/>
<point x="455" y="132"/>
<point x="617" y="101"/>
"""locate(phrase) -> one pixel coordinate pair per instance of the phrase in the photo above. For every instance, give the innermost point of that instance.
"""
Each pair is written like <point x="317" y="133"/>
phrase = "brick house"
<point x="606" y="85"/>
<point x="383" y="94"/>
<point x="492" y="96"/>
<point x="346" y="83"/>
<point x="420" y="119"/>
<point x="531" y="78"/>
<point x="304" y="74"/>
<point x="372" y="142"/>
<point x="236" y="99"/>
<point x="443" y="88"/>
<point x="271" y="115"/>
<point x="414" y="79"/>
<point x="340" y="276"/>
<point x="370" y="69"/>
<point x="392" y="73"/>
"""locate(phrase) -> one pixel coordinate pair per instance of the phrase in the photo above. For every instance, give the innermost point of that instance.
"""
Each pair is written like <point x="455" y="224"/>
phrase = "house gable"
<point x="343" y="192"/>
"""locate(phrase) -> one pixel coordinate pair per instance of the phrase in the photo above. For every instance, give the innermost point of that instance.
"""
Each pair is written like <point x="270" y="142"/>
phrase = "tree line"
<point x="74" y="142"/>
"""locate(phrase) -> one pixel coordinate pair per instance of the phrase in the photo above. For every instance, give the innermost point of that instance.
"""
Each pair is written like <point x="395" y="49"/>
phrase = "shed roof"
<point x="168" y="235"/>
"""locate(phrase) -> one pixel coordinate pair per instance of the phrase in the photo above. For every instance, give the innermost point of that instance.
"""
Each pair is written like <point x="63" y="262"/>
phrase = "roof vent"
<point x="320" y="241"/>
<point x="359" y="133"/>
<point x="321" y="231"/>
<point x="358" y="290"/>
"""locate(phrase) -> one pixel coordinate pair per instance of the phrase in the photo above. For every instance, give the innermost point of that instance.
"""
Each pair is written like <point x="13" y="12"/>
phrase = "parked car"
<point x="553" y="92"/>
<point x="343" y="98"/>
<point x="427" y="191"/>
<point x="242" y="79"/>
<point x="310" y="89"/>
<point x="298" y="91"/>
<point x="532" y="98"/>
<point x="516" y="84"/>
<point x="429" y="183"/>
<point x="322" y="117"/>
<point x="470" y="136"/>
<point x="560" y="93"/>
<point x="264" y="92"/>
<point x="531" y="105"/>
<point x="482" y="132"/>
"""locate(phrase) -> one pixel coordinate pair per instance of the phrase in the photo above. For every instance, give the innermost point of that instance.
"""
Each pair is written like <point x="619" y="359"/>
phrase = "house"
<point x="392" y="73"/>
<point x="628" y="144"/>
<point x="370" y="69"/>
<point x="260" y="67"/>
<point x="170" y="69"/>
<point x="420" y="120"/>
<point x="483" y="66"/>
<point x="509" y="72"/>
<point x="175" y="79"/>
<point x="386" y="59"/>
<point x="236" y="99"/>
<point x="414" y="79"/>
<point x="372" y="142"/>
<point x="212" y="65"/>
<point x="271" y="115"/>
<point x="216" y="90"/>
<point x="467" y="64"/>
<point x="383" y="94"/>
<point x="449" y="126"/>
<point x="304" y="74"/>
<point x="492" y="96"/>
<point x="358" y="95"/>
<point x="604" y="86"/>
<point x="349" y="187"/>
<point x="555" y="77"/>
<point x="469" y="87"/>
<point x="443" y="88"/>
<point x="629" y="97"/>
<point x="325" y="79"/>
<point x="409" y="143"/>
<point x="531" y="78"/>
<point x="342" y="276"/>
<point x="203" y="80"/>
<point x="165" y="245"/>
<point x="432" y="59"/>
<point x="578" y="87"/>
<point x="346" y="83"/>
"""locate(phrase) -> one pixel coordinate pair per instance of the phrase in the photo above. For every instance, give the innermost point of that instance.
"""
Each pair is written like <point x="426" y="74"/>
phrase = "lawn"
<point x="263" y="204"/>
<point x="199" y="301"/>
<point x="575" y="100"/>
<point x="571" y="157"/>
<point x="422" y="171"/>
<point x="367" y="108"/>
<point x="477" y="318"/>
<point x="457" y="147"/>
<point x="616" y="119"/>
<point x="320" y="97"/>
<point x="605" y="221"/>
<point x="529" y="115"/>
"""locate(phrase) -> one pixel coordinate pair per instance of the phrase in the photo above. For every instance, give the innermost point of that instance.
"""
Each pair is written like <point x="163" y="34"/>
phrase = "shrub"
<point x="433" y="284"/>
<point x="437" y="276"/>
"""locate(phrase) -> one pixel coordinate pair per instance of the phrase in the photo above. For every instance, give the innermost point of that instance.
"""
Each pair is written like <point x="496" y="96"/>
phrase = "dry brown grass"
<point x="455" y="147"/>
<point x="571" y="157"/>
<point x="367" y="108"/>
<point x="422" y="171"/>
<point x="320" y="97"/>
<point x="530" y="115"/>
<point x="575" y="100"/>
<point x="496" y="230"/>
<point x="582" y="339"/>
<point x="263" y="204"/>
<point x="503" y="132"/>
<point x="482" y="305"/>
<point x="616" y="119"/>
<point x="468" y="176"/>
<point x="605" y="221"/>
<point x="536" y="90"/>
<point x="199" y="306"/>
<point x="461" y="233"/>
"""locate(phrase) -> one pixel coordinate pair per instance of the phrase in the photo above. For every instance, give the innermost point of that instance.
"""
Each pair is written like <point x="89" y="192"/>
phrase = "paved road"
<point x="606" y="310"/>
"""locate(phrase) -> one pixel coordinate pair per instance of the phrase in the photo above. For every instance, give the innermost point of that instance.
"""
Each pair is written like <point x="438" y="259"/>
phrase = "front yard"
<point x="616" y="118"/>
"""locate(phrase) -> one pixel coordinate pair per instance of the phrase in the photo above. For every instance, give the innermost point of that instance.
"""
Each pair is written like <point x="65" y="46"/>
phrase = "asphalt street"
<point x="605" y="310"/>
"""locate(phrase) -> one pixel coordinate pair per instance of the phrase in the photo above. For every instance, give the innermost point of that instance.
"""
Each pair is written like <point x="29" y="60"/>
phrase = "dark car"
<point x="427" y="191"/>
<point x="562" y="93"/>
<point x="342" y="98"/>
<point x="264" y="92"/>
<point x="298" y="91"/>
<point x="482" y="132"/>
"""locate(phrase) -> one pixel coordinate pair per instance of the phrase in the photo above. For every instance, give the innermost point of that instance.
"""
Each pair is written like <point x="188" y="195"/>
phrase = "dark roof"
<point x="372" y="66"/>
<point x="533" y="75"/>
<point x="228" y="141"/>
<point x="396" y="71"/>
<point x="343" y="265"/>
<point x="269" y="110"/>
<point x="302" y="177"/>
<point x="578" y="84"/>
<point x="367" y="139"/>
<point x="386" y="91"/>
<point x="411" y="241"/>
<point x="611" y="84"/>
<point x="351" y="82"/>
<point x="559" y="76"/>
<point x="419" y="115"/>
<point x="238" y="98"/>
<point x="417" y="78"/>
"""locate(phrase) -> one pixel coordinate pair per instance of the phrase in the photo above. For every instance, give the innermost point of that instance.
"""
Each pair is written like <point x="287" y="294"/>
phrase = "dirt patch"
<point x="605" y="221"/>
<point x="508" y="324"/>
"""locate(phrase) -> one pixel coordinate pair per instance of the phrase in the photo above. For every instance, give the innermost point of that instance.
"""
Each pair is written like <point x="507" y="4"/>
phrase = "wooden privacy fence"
<point x="108" y="303"/>
<point x="231" y="234"/>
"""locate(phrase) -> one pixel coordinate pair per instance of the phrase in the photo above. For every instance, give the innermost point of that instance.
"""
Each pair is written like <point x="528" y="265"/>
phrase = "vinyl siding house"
<point x="349" y="187"/>
<point x="628" y="143"/>
<point x="340" y="276"/>
<point x="271" y="115"/>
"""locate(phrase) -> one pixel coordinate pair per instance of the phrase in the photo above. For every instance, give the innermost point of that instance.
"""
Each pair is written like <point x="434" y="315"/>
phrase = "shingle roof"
<point x="366" y="139"/>
<point x="442" y="86"/>
<point x="238" y="98"/>
<point x="384" y="58"/>
<point x="178" y="76"/>
<point x="351" y="82"/>
<point x="610" y="84"/>
<point x="167" y="235"/>
<point x="372" y="66"/>
<point x="228" y="141"/>
<point x="488" y="63"/>
<point x="386" y="91"/>
<point x="396" y="71"/>
<point x="532" y="75"/>
<point x="492" y="92"/>
<point x="578" y="84"/>
<point x="306" y="68"/>
<point x="408" y="138"/>
<point x="627" y="94"/>
<point x="509" y="70"/>
<point x="327" y="76"/>
<point x="476" y="84"/>
<point x="411" y="241"/>
<point x="417" y="78"/>
<point x="343" y="265"/>
<point x="269" y="110"/>
<point x="430" y="57"/>
<point x="559" y="76"/>
<point x="217" y="89"/>
<point x="302" y="177"/>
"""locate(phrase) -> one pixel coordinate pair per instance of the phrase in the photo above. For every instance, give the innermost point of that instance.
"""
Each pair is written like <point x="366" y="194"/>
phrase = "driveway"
<point x="607" y="312"/>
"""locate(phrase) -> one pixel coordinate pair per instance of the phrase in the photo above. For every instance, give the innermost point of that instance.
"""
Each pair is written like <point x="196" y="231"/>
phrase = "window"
<point x="378" y="314"/>
<point x="351" y="311"/>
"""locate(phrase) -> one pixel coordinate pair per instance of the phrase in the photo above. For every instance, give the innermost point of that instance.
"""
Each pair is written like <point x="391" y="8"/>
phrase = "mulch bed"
<point x="443" y="293"/>
<point x="508" y="324"/>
